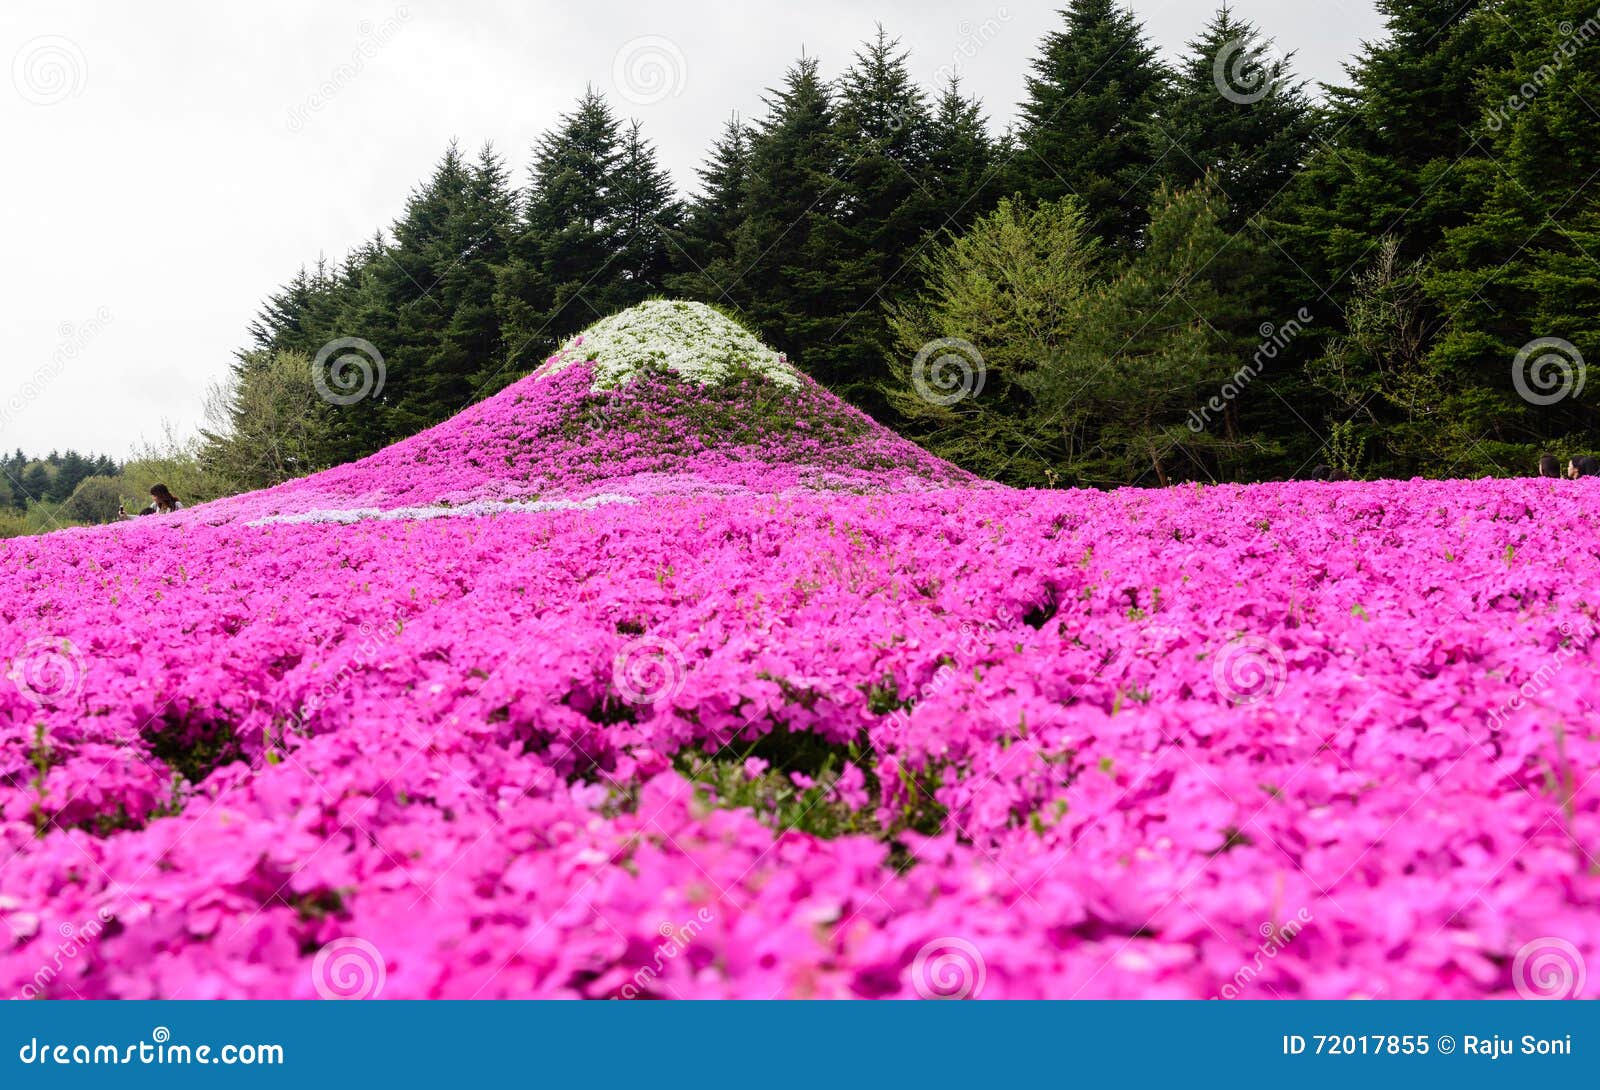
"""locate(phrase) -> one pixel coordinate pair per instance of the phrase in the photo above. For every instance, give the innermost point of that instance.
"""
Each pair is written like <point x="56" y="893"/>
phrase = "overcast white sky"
<point x="169" y="163"/>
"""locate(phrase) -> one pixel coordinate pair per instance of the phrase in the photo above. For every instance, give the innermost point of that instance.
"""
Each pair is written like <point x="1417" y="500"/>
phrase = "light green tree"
<point x="997" y="303"/>
<point x="269" y="422"/>
<point x="1177" y="324"/>
<point x="95" y="500"/>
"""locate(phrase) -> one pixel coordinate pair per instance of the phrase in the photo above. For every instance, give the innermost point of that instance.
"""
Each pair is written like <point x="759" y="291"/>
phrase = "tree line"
<point x="1195" y="270"/>
<point x="38" y="495"/>
<point x="39" y="487"/>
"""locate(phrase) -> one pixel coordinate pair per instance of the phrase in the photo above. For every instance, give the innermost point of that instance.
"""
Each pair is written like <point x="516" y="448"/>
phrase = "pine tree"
<point x="1522" y="268"/>
<point x="703" y="245"/>
<point x="647" y="213"/>
<point x="997" y="304"/>
<point x="785" y="246"/>
<point x="1237" y="118"/>
<point x="961" y="158"/>
<point x="887" y="207"/>
<point x="1095" y="87"/>
<point x="562" y="269"/>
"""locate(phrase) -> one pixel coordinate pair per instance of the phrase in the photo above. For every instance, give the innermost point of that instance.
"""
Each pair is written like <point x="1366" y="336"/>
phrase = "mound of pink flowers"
<point x="686" y="691"/>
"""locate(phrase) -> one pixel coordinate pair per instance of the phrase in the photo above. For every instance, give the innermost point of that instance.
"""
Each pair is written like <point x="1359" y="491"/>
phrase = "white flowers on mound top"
<point x="689" y="339"/>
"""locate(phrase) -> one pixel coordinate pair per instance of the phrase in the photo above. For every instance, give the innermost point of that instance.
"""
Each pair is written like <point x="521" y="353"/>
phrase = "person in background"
<point x="1584" y="465"/>
<point x="162" y="502"/>
<point x="1549" y="466"/>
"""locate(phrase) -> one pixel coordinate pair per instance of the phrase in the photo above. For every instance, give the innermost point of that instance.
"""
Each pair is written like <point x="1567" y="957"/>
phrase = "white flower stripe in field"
<point x="478" y="508"/>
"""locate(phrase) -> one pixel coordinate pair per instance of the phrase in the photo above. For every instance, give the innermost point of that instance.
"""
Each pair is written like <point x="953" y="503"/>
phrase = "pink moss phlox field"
<point x="552" y="438"/>
<point x="1285" y="740"/>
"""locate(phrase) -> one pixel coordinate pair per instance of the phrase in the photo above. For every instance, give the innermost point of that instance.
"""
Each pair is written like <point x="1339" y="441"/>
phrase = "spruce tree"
<point x="646" y="213"/>
<point x="1400" y="159"/>
<point x="888" y="207"/>
<point x="360" y="305"/>
<point x="1396" y="169"/>
<point x="281" y="321"/>
<point x="786" y="245"/>
<point x="1095" y="88"/>
<point x="394" y="311"/>
<point x="441" y="267"/>
<point x="1420" y="80"/>
<point x="562" y="269"/>
<point x="1237" y="118"/>
<point x="961" y="158"/>
<point x="421" y="302"/>
<point x="1522" y="268"/>
<point x="474" y="248"/>
<point x="703" y="246"/>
